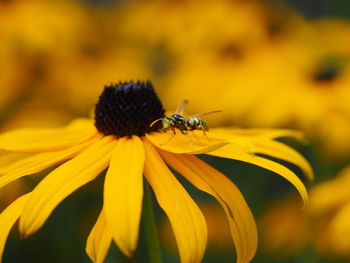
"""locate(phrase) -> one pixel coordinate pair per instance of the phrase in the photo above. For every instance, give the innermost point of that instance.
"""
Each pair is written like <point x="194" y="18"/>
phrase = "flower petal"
<point x="323" y="197"/>
<point x="63" y="181"/>
<point x="283" y="152"/>
<point x="123" y="192"/>
<point x="228" y="132"/>
<point x="80" y="124"/>
<point x="211" y="181"/>
<point x="99" y="240"/>
<point x="7" y="158"/>
<point x="229" y="152"/>
<point x="182" y="143"/>
<point x="185" y="217"/>
<point x="339" y="231"/>
<point x="38" y="162"/>
<point x="8" y="218"/>
<point x="38" y="140"/>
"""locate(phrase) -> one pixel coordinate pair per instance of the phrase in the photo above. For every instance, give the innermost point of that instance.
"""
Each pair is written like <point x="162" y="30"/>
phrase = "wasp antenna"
<point x="154" y="122"/>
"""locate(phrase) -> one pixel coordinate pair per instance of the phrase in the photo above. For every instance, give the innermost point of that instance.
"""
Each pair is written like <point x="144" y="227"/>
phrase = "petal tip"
<point x="127" y="251"/>
<point x="23" y="231"/>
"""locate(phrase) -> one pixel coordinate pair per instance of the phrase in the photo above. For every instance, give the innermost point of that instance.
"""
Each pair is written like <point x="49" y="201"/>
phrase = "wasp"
<point x="184" y="124"/>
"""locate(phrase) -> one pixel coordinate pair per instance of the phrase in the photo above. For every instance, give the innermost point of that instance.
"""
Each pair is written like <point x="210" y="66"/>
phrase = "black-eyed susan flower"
<point x="183" y="33"/>
<point x="315" y="77"/>
<point x="121" y="140"/>
<point x="324" y="226"/>
<point x="41" y="27"/>
<point x="330" y="205"/>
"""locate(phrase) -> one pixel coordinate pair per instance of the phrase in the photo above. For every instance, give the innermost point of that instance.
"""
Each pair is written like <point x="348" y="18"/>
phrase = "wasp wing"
<point x="201" y="114"/>
<point x="181" y="107"/>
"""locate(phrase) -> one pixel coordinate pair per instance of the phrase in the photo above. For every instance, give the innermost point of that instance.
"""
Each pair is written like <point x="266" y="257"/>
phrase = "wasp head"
<point x="168" y="123"/>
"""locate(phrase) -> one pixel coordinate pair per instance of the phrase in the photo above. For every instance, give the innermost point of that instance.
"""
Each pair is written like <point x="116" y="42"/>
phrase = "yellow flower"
<point x="315" y="77"/>
<point x="39" y="26"/>
<point x="330" y="203"/>
<point x="33" y="36"/>
<point x="324" y="224"/>
<point x="229" y="62"/>
<point x="11" y="191"/>
<point x="182" y="32"/>
<point x="122" y="140"/>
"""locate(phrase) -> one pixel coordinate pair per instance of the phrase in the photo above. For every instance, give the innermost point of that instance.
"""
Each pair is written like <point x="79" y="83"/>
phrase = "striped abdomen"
<point x="196" y="124"/>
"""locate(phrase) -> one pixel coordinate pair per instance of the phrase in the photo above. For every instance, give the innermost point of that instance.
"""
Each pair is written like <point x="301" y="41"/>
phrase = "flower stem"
<point x="150" y="228"/>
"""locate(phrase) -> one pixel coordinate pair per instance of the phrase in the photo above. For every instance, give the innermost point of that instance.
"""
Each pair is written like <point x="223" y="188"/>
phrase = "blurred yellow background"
<point x="265" y="64"/>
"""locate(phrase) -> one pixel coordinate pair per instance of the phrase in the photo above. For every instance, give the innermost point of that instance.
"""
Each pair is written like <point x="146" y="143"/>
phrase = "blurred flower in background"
<point x="324" y="225"/>
<point x="302" y="65"/>
<point x="32" y="35"/>
<point x="331" y="206"/>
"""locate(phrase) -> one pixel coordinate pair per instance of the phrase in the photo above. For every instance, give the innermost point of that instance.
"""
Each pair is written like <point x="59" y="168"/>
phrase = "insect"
<point x="184" y="124"/>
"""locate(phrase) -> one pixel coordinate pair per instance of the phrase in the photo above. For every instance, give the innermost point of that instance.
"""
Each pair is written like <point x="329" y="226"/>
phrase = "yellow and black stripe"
<point x="195" y="124"/>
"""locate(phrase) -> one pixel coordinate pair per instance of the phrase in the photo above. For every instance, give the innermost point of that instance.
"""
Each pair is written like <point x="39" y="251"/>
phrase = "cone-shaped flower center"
<point x="127" y="109"/>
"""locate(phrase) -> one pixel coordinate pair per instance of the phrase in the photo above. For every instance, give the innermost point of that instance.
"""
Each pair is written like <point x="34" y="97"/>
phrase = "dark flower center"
<point x="328" y="69"/>
<point x="231" y="51"/>
<point x="127" y="109"/>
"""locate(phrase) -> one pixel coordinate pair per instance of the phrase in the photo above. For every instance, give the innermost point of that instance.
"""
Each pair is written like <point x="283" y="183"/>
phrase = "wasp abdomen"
<point x="196" y="124"/>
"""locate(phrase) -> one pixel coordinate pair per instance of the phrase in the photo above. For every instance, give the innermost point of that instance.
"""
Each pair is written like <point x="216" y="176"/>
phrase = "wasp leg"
<point x="190" y="137"/>
<point x="183" y="132"/>
<point x="205" y="134"/>
<point x="172" y="136"/>
<point x="195" y="136"/>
